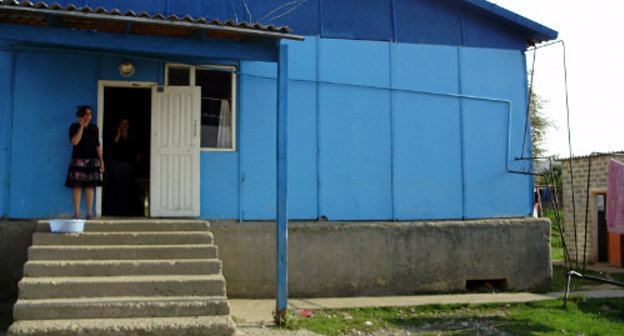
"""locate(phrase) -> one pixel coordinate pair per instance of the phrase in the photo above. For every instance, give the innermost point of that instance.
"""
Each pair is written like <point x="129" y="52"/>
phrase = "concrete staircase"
<point x="123" y="277"/>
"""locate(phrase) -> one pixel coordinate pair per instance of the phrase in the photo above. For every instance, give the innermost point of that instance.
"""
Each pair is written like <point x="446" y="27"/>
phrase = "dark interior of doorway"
<point x="126" y="184"/>
<point x="603" y="234"/>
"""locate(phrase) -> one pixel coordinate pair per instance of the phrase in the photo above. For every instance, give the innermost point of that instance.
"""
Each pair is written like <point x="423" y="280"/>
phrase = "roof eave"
<point x="537" y="33"/>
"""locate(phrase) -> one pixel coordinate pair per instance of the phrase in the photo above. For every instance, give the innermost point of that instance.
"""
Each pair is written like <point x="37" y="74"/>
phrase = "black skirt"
<point x="84" y="173"/>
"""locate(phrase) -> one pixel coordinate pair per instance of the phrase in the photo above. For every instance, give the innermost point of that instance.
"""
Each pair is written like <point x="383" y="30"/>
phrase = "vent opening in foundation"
<point x="486" y="285"/>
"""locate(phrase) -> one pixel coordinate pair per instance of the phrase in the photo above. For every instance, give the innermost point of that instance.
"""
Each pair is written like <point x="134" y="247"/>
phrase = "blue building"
<point x="397" y="109"/>
<point x="406" y="125"/>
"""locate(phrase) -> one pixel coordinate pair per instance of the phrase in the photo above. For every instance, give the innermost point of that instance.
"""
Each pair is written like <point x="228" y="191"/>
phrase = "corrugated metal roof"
<point x="113" y="20"/>
<point x="618" y="153"/>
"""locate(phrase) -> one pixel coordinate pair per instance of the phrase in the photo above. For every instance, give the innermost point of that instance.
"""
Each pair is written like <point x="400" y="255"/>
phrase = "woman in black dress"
<point x="86" y="165"/>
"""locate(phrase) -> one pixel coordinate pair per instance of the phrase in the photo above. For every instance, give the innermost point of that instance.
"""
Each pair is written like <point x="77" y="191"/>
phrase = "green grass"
<point x="560" y="278"/>
<point x="619" y="277"/>
<point x="602" y="317"/>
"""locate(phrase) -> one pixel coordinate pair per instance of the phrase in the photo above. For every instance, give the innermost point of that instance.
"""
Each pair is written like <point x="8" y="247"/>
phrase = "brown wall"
<point x="597" y="184"/>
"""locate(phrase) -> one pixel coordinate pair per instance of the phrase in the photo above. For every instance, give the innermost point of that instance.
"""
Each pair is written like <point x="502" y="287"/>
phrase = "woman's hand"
<point x="102" y="167"/>
<point x="83" y="122"/>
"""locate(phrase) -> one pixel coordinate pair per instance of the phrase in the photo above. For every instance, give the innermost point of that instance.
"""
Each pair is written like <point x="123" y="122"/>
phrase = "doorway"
<point x="126" y="127"/>
<point x="601" y="224"/>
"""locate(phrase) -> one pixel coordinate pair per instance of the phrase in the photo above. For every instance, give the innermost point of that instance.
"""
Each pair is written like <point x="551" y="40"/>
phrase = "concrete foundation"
<point x="386" y="258"/>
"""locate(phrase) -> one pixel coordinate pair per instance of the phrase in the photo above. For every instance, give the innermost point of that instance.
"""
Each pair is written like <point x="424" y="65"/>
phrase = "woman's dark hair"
<point x="82" y="110"/>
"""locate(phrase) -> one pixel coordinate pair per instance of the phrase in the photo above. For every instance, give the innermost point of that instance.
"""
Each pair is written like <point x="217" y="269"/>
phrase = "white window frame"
<point x="233" y="105"/>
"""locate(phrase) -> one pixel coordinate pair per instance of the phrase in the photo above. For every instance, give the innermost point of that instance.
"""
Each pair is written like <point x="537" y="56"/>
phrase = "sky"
<point x="594" y="40"/>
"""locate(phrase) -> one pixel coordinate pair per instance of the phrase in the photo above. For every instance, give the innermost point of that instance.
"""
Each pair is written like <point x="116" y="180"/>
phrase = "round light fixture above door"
<point x="126" y="69"/>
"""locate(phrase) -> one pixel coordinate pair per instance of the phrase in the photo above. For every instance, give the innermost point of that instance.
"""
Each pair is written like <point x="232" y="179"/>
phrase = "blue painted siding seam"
<point x="461" y="133"/>
<point x="238" y="142"/>
<point x="318" y="112"/>
<point x="393" y="19"/>
<point x="11" y="112"/>
<point x="392" y="127"/>
<point x="321" y="19"/>
<point x="240" y="151"/>
<point x="462" y="27"/>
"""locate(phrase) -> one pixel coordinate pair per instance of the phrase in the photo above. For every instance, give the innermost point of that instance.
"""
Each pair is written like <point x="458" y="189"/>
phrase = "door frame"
<point x="102" y="84"/>
<point x="594" y="224"/>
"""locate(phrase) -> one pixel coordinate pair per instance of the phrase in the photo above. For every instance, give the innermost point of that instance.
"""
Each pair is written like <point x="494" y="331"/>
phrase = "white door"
<point x="174" y="163"/>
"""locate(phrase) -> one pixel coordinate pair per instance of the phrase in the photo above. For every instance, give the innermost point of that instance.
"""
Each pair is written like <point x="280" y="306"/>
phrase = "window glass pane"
<point x="214" y="84"/>
<point x="216" y="109"/>
<point x="179" y="76"/>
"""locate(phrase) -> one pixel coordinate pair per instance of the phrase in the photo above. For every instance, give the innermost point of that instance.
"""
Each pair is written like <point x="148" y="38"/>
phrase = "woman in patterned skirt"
<point x="86" y="165"/>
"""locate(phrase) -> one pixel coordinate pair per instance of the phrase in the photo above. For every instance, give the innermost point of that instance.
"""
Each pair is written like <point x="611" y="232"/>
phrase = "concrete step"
<point x="123" y="238"/>
<point x="151" y="285"/>
<point x="186" y="326"/>
<point x="118" y="252"/>
<point x="67" y="268"/>
<point x="136" y="224"/>
<point x="120" y="307"/>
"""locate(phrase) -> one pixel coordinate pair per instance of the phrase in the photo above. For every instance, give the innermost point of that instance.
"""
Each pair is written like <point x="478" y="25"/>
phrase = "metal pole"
<point x="282" y="213"/>
<point x="567" y="291"/>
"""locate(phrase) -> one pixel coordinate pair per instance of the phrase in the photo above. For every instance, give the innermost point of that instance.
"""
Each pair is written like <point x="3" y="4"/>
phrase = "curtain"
<point x="224" y="134"/>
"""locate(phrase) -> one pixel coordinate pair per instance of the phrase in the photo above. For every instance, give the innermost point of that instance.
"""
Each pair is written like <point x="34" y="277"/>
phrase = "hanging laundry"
<point x="615" y="198"/>
<point x="546" y="195"/>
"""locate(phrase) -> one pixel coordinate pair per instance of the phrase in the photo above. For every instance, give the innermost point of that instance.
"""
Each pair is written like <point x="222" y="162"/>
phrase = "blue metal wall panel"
<point x="48" y="88"/>
<point x="257" y="141"/>
<point x="354" y="62"/>
<point x="483" y="31"/>
<point x="219" y="185"/>
<point x="411" y="21"/>
<point x="425" y="67"/>
<point x="146" y="71"/>
<point x="427" y="165"/>
<point x="427" y="148"/>
<point x="354" y="142"/>
<point x="351" y="19"/>
<point x="360" y="128"/>
<point x="302" y="155"/>
<point x="490" y="190"/>
<point x="5" y="122"/>
<point x="426" y="21"/>
<point x="302" y="59"/>
<point x="354" y="130"/>
<point x="302" y="130"/>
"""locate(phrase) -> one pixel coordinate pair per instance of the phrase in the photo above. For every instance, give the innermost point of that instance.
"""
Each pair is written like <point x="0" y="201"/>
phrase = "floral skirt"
<point x="84" y="173"/>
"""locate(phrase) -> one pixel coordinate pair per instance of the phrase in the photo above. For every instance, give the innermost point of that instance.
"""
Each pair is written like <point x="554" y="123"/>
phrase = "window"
<point x="218" y="101"/>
